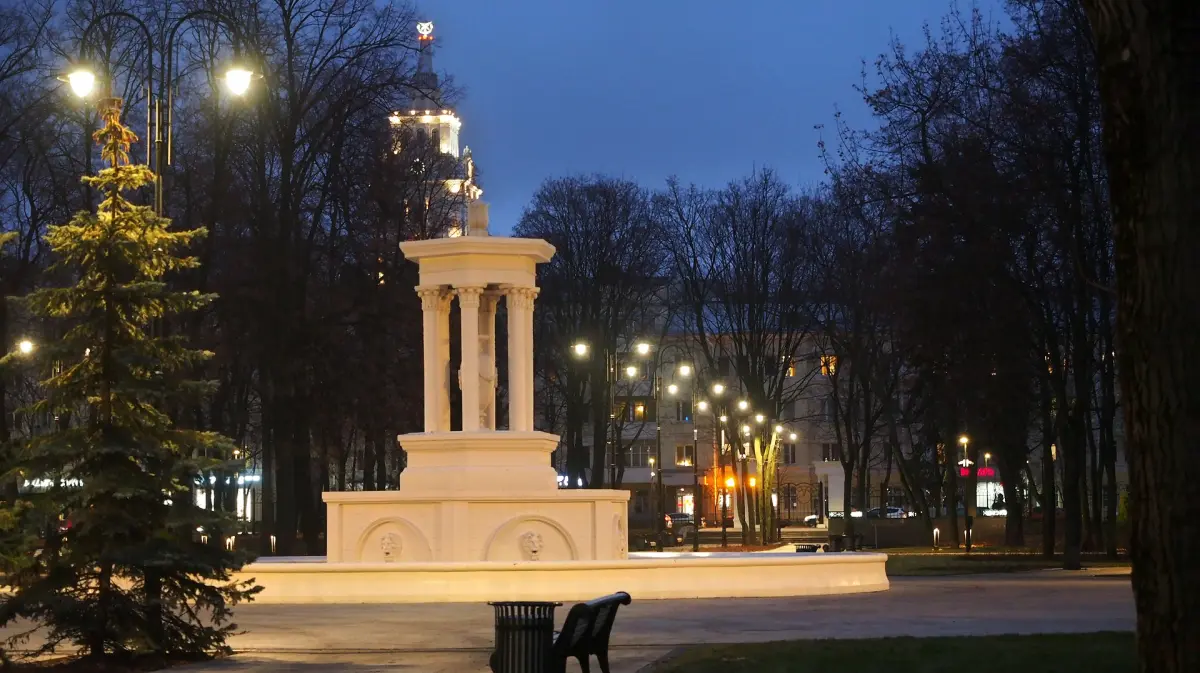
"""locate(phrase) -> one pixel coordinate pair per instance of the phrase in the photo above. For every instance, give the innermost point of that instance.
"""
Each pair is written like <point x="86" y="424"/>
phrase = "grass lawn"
<point x="1067" y="653"/>
<point x="958" y="563"/>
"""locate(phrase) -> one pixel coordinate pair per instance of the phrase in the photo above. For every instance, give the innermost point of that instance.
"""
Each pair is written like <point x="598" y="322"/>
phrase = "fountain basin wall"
<point x="398" y="527"/>
<point x="645" y="576"/>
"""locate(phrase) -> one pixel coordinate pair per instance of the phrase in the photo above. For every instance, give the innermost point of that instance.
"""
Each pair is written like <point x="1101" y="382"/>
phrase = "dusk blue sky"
<point x="704" y="89"/>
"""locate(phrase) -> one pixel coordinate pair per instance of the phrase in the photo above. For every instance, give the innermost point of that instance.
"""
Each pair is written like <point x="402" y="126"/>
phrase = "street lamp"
<point x="642" y="348"/>
<point x="25" y="347"/>
<point x="238" y="78"/>
<point x="972" y="475"/>
<point x="82" y="80"/>
<point x="631" y="371"/>
<point x="718" y="389"/>
<point x="792" y="436"/>
<point x="580" y="349"/>
<point x="743" y="405"/>
<point x="685" y="370"/>
<point x="672" y="389"/>
<point x="779" y="429"/>
<point x="760" y="419"/>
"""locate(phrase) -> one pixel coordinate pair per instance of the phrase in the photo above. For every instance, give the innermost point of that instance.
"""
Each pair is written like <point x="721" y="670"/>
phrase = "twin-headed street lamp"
<point x="82" y="77"/>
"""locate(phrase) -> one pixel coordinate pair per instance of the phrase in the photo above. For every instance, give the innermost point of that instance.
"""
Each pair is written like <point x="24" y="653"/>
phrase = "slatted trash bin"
<point x="524" y="636"/>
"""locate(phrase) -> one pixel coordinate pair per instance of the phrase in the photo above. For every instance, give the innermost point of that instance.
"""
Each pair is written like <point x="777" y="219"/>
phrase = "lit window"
<point x="683" y="455"/>
<point x="639" y="412"/>
<point x="829" y="365"/>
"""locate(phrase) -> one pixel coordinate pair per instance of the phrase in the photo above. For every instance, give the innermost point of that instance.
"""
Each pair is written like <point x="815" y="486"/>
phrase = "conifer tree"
<point x="122" y="568"/>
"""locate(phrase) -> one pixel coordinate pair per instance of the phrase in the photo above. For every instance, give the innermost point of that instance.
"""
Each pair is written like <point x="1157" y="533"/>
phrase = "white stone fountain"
<point x="477" y="494"/>
<point x="479" y="515"/>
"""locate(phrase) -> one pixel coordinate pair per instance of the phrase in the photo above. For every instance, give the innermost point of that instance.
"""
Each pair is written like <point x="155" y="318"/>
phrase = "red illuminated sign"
<point x="982" y="472"/>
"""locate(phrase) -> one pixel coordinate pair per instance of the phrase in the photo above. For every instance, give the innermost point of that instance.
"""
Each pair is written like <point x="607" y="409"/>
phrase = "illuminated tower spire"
<point x="425" y="81"/>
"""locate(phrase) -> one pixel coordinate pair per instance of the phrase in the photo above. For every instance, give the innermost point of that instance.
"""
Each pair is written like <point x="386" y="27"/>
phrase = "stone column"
<point x="520" y="357"/>
<point x="531" y="293"/>
<point x="444" y="360"/>
<point x="489" y="375"/>
<point x="435" y="321"/>
<point x="468" y="373"/>
<point x="515" y="303"/>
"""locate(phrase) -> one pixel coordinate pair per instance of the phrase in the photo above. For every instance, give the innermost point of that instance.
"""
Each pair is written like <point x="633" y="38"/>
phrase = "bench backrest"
<point x="605" y="613"/>
<point x="576" y="634"/>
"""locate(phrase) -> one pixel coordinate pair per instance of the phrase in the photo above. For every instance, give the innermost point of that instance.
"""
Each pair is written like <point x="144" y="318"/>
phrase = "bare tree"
<point x="600" y="288"/>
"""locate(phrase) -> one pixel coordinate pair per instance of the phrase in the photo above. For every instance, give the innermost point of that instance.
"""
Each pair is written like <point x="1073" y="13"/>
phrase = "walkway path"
<point x="456" y="638"/>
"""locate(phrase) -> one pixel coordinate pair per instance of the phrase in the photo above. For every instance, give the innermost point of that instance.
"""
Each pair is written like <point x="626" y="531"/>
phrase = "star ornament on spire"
<point x="425" y="31"/>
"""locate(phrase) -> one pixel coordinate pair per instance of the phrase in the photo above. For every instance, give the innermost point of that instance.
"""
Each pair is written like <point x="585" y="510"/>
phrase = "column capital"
<point x="490" y="298"/>
<point x="521" y="297"/>
<point x="431" y="296"/>
<point x="469" y="295"/>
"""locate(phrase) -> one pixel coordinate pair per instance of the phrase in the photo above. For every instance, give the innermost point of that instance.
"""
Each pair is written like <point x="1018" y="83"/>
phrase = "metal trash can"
<point x="524" y="636"/>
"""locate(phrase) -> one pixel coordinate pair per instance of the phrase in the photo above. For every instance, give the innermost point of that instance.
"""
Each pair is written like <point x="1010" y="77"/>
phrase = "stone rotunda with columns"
<point x="477" y="493"/>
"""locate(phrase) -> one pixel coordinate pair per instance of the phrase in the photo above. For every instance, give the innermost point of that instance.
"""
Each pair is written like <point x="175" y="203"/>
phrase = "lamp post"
<point x="972" y="477"/>
<point x="645" y="349"/>
<point x="697" y="406"/>
<point x="159" y="95"/>
<point x="581" y="350"/>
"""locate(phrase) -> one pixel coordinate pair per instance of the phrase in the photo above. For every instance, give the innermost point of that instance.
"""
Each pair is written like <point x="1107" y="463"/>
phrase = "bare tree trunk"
<point x="1148" y="62"/>
<point x="1049" y="492"/>
<point x="601" y="413"/>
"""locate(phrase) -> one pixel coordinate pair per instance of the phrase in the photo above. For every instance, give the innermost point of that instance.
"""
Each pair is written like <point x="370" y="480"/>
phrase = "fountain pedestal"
<point x="477" y="494"/>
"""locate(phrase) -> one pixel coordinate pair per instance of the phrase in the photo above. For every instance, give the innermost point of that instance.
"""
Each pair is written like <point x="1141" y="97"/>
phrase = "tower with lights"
<point x="428" y="119"/>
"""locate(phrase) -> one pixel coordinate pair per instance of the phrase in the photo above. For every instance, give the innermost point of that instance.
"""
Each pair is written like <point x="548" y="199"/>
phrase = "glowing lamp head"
<point x="753" y="482"/>
<point x="685" y="370"/>
<point x="745" y="429"/>
<point x="729" y="482"/>
<point x="425" y="30"/>
<point x="631" y="371"/>
<point x="743" y="405"/>
<point x="792" y="436"/>
<point x="759" y="418"/>
<point x="724" y="418"/>
<point x="672" y="389"/>
<point x="580" y="349"/>
<point x="25" y="347"/>
<point x="718" y="388"/>
<point x="779" y="429"/>
<point x="702" y="405"/>
<point x="964" y="440"/>
<point x="238" y="79"/>
<point x="642" y="348"/>
<point x="82" y="81"/>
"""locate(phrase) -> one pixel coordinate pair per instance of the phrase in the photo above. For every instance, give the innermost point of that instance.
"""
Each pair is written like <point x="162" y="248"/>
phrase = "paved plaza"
<point x="457" y="638"/>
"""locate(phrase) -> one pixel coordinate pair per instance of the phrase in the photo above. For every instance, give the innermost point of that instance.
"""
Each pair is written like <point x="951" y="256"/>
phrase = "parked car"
<point x="887" y="513"/>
